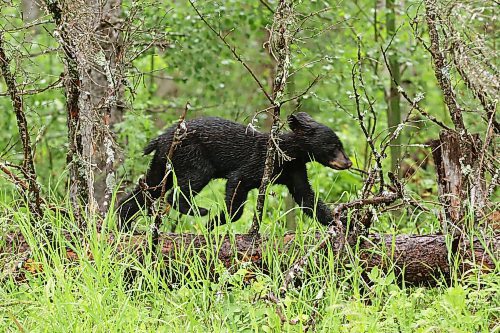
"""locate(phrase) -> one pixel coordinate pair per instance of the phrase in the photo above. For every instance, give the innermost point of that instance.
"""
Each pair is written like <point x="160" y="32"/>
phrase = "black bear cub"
<point x="219" y="148"/>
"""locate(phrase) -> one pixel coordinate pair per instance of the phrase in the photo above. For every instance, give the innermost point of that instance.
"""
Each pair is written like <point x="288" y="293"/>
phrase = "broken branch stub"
<point x="459" y="182"/>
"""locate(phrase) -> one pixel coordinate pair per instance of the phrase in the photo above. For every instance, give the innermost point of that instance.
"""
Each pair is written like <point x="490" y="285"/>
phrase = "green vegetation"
<point x="99" y="295"/>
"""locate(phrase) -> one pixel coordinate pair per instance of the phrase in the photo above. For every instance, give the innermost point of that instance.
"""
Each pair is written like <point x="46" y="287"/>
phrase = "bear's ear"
<point x="301" y="122"/>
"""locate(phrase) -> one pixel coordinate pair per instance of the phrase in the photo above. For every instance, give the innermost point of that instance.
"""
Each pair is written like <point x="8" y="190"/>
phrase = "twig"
<point x="233" y="51"/>
<point x="13" y="178"/>
<point x="311" y="322"/>
<point x="30" y="25"/>
<point x="265" y="4"/>
<point x="488" y="136"/>
<point x="179" y="134"/>
<point x="308" y="16"/>
<point x="334" y="231"/>
<point x="54" y="84"/>
<point x="395" y="133"/>
<point x="22" y="125"/>
<point x="279" y="305"/>
<point x="316" y="79"/>
<point x="298" y="266"/>
<point x="382" y="199"/>
<point x="413" y="102"/>
<point x="378" y="157"/>
<point x="460" y="60"/>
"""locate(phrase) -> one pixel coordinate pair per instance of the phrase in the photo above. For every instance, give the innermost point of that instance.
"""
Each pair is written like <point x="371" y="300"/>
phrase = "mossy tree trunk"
<point x="393" y="99"/>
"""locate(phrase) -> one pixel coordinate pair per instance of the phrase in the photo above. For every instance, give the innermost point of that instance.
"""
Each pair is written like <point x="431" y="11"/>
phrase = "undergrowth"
<point x="108" y="291"/>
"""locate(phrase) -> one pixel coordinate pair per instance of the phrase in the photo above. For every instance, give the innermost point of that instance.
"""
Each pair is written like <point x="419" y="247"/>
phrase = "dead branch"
<point x="265" y="4"/>
<point x="22" y="125"/>
<point x="441" y="69"/>
<point x="311" y="322"/>
<point x="473" y="59"/>
<point x="279" y="46"/>
<point x="370" y="180"/>
<point x="413" y="102"/>
<point x="335" y="234"/>
<point x="13" y="178"/>
<point x="179" y="134"/>
<point x="296" y="97"/>
<point x="55" y="84"/>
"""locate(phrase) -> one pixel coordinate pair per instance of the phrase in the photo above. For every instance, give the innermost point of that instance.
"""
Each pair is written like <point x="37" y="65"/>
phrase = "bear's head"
<point x="319" y="141"/>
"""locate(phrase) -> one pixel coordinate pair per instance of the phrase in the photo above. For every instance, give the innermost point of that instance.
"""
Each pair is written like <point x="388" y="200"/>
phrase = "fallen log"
<point x="417" y="259"/>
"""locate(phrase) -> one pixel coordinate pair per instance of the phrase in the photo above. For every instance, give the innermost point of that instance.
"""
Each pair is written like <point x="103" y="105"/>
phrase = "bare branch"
<point x="265" y="4"/>
<point x="13" y="178"/>
<point x="22" y="125"/>
<point x="335" y="234"/>
<point x="55" y="84"/>
<point x="179" y="134"/>
<point x="413" y="102"/>
<point x="441" y="69"/>
<point x="356" y="68"/>
<point x="233" y="51"/>
<point x="312" y="84"/>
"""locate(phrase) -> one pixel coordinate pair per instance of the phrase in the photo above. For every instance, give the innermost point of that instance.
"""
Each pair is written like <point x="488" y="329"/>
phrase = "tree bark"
<point x="417" y="259"/>
<point x="279" y="46"/>
<point x="74" y="22"/>
<point x="459" y="183"/>
<point x="106" y="91"/>
<point x="394" y="105"/>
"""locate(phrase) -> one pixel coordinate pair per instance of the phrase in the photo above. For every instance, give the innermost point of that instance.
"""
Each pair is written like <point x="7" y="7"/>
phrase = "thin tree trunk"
<point x="279" y="44"/>
<point x="34" y="199"/>
<point x="457" y="154"/>
<point x="106" y="92"/>
<point x="80" y="116"/>
<point x="441" y="69"/>
<point x="458" y="185"/>
<point x="394" y="106"/>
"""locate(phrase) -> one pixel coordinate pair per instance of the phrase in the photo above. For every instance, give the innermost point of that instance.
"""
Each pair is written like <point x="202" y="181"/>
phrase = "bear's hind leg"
<point x="236" y="195"/>
<point x="190" y="184"/>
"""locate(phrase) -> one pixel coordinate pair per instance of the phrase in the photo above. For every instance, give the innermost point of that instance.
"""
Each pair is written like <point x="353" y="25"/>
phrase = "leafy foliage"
<point x="189" y="64"/>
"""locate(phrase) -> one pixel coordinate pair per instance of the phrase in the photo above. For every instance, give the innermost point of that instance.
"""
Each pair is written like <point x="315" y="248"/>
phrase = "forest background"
<point x="360" y="67"/>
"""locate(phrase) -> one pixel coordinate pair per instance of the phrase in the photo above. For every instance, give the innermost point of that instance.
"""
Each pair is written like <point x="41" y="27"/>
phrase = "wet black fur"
<point x="219" y="148"/>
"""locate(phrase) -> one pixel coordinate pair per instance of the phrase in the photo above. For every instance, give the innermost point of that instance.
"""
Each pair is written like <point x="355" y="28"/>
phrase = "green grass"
<point x="98" y="295"/>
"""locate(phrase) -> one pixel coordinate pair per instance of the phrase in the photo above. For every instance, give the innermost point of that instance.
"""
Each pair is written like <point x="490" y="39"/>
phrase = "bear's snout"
<point x="341" y="161"/>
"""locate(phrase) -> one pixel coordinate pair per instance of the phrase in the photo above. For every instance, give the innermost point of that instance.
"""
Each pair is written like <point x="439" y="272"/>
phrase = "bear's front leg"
<point x="304" y="196"/>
